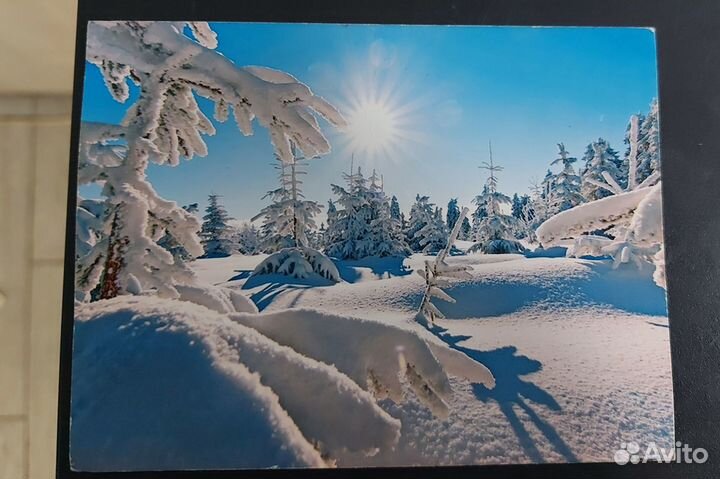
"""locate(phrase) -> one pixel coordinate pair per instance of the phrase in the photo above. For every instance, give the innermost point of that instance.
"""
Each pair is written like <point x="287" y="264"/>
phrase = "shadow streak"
<point x="511" y="390"/>
<point x="379" y="268"/>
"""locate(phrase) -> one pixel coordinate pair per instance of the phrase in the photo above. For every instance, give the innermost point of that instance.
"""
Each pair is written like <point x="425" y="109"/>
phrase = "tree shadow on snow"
<point x="511" y="390"/>
<point x="378" y="268"/>
<point x="625" y="288"/>
<point x="489" y="299"/>
<point x="241" y="274"/>
<point x="275" y="284"/>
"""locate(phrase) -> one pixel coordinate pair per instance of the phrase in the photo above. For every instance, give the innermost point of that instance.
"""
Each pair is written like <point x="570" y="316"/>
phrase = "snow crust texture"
<point x="153" y="373"/>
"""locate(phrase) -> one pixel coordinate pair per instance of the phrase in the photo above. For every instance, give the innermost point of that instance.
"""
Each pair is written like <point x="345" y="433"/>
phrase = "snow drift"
<point x="161" y="384"/>
<point x="375" y="355"/>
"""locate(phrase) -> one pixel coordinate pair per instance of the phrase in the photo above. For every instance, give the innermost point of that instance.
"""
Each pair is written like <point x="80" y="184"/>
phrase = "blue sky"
<point x="455" y="89"/>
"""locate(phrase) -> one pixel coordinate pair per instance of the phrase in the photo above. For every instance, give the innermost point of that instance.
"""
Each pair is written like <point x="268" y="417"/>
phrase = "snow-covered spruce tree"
<point x="363" y="226"/>
<point x="216" y="233"/>
<point x="330" y="231"/>
<point x="465" y="230"/>
<point x="247" y="239"/>
<point x="601" y="162"/>
<point x="287" y="220"/>
<point x="453" y="213"/>
<point x="395" y="210"/>
<point x="436" y="274"/>
<point x="349" y="232"/>
<point x="516" y="206"/>
<point x="539" y="206"/>
<point x="609" y="184"/>
<point x="565" y="193"/>
<point x="432" y="237"/>
<point x="480" y="212"/>
<point x="527" y="222"/>
<point x="421" y="214"/>
<point x="386" y="235"/>
<point x="649" y="143"/>
<point x="292" y="217"/>
<point x="494" y="233"/>
<point x="166" y="124"/>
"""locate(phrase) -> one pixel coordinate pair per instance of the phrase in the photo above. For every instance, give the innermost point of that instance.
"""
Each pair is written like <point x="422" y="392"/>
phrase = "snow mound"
<point x="221" y="300"/>
<point x="152" y="373"/>
<point x="299" y="262"/>
<point x="373" y="354"/>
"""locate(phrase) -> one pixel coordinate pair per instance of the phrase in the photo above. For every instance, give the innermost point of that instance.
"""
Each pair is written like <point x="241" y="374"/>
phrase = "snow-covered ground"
<point x="580" y="352"/>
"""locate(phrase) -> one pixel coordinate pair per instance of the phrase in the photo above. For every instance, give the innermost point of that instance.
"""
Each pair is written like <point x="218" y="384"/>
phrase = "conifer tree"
<point x="516" y="206"/>
<point x="494" y="232"/>
<point x="216" y="234"/>
<point x="601" y="166"/>
<point x="289" y="218"/>
<point x="421" y="214"/>
<point x="432" y="237"/>
<point x="363" y="226"/>
<point x="566" y="190"/>
<point x="465" y="230"/>
<point x="453" y="213"/>
<point x="649" y="143"/>
<point x="395" y="209"/>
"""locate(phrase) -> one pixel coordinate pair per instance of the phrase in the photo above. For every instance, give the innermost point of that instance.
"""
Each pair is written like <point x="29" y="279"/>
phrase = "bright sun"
<point x="372" y="128"/>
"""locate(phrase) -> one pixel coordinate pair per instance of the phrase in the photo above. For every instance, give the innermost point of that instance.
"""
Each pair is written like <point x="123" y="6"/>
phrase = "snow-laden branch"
<point x="135" y="217"/>
<point x="140" y="50"/>
<point x="636" y="215"/>
<point x="436" y="272"/>
<point x="374" y="355"/>
<point x="600" y="214"/>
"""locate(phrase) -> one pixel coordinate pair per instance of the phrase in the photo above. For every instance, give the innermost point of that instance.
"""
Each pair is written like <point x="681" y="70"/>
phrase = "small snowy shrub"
<point x="300" y="262"/>
<point x="498" y="246"/>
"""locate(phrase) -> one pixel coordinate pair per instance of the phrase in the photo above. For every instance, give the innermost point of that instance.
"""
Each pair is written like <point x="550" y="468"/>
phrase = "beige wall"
<point x="34" y="147"/>
<point x="37" y="38"/>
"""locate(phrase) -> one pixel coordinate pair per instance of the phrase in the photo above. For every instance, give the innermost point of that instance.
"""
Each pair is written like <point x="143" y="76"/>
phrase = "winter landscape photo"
<point x="335" y="246"/>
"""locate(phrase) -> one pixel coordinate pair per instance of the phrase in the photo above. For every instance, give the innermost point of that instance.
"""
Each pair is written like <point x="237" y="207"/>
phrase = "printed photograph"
<point x="340" y="246"/>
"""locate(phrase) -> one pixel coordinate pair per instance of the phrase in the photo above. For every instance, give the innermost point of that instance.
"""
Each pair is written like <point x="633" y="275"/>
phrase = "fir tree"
<point x="465" y="230"/>
<point x="453" y="213"/>
<point x="247" y="239"/>
<point x="421" y="214"/>
<point x="566" y="191"/>
<point x="494" y="231"/>
<point x="385" y="231"/>
<point x="395" y="209"/>
<point x="517" y="206"/>
<point x="215" y="232"/>
<point x="289" y="218"/>
<point x="649" y="143"/>
<point x="601" y="166"/>
<point x="432" y="237"/>
<point x="480" y="212"/>
<point x="363" y="226"/>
